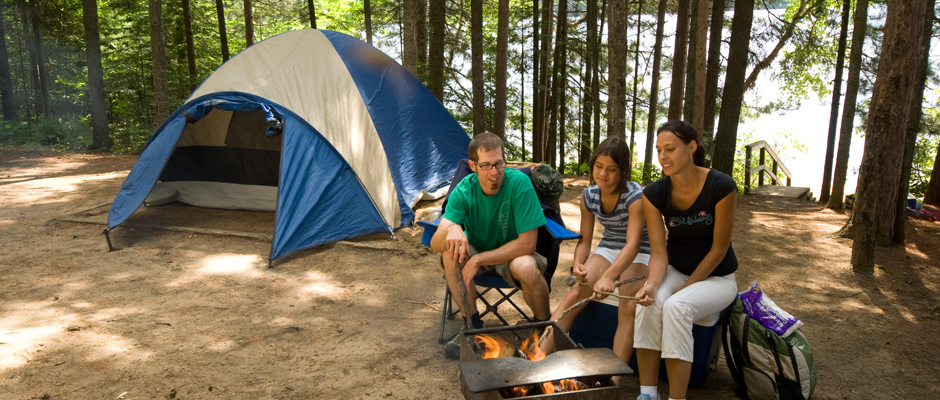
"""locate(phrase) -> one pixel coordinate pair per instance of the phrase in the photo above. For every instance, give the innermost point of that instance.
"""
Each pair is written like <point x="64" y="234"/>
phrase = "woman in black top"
<point x="691" y="273"/>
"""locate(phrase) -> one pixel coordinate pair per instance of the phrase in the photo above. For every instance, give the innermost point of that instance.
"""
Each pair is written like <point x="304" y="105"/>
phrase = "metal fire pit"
<point x="482" y="379"/>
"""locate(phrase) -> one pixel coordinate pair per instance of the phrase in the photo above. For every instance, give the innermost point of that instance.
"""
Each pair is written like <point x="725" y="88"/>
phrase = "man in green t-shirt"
<point x="491" y="226"/>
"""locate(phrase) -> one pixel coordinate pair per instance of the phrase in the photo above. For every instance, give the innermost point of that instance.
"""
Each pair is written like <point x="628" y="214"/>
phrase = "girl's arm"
<point x="583" y="249"/>
<point x="659" y="260"/>
<point x="625" y="259"/>
<point x="724" y="226"/>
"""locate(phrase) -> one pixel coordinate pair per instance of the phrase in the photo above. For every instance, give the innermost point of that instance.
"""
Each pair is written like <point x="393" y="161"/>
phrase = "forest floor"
<point x="194" y="316"/>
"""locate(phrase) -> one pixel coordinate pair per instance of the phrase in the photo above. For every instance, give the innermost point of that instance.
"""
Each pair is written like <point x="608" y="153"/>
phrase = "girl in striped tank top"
<point x="624" y="249"/>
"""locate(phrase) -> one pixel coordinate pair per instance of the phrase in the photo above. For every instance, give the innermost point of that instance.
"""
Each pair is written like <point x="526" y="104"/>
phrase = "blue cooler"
<point x="596" y="324"/>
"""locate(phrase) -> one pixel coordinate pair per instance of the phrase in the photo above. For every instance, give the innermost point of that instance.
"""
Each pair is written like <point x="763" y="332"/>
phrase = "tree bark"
<point x="698" y="92"/>
<point x="223" y="36"/>
<point x="539" y="135"/>
<point x="595" y="84"/>
<point x="933" y="188"/>
<point x="712" y="74"/>
<point x="313" y="14"/>
<point x="587" y="110"/>
<point x="679" y="59"/>
<point x="617" y="69"/>
<point x="502" y="43"/>
<point x="860" y="24"/>
<point x="249" y="25"/>
<point x="688" y="102"/>
<point x="559" y="88"/>
<point x="436" y="31"/>
<point x="6" y="78"/>
<point x="726" y="137"/>
<point x="367" y="11"/>
<point x="636" y="71"/>
<point x="409" y="37"/>
<point x="41" y="62"/>
<point x="476" y="65"/>
<point x="654" y="92"/>
<point x="190" y="44"/>
<point x="421" y="36"/>
<point x="913" y="126"/>
<point x="536" y="54"/>
<point x="880" y="172"/>
<point x="30" y="96"/>
<point x="158" y="62"/>
<point x="834" y="109"/>
<point x="100" y="137"/>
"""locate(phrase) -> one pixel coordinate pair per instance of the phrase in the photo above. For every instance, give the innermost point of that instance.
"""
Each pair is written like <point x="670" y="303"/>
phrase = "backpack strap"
<point x="733" y="357"/>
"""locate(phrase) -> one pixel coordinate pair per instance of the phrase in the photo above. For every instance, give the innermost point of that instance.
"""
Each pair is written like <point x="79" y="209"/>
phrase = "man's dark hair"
<point x="617" y="149"/>
<point x="486" y="141"/>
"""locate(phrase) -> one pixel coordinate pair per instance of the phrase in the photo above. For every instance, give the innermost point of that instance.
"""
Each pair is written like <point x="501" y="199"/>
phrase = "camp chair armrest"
<point x="559" y="232"/>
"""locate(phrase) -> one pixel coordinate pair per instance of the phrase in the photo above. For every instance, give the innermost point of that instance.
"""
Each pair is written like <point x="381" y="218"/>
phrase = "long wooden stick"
<point x="463" y="297"/>
<point x="587" y="299"/>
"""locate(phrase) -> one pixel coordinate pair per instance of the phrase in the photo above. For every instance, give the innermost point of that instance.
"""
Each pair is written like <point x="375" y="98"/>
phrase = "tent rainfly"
<point x="325" y="130"/>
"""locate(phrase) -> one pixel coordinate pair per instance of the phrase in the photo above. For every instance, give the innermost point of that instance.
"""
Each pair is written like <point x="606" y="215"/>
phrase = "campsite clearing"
<point x="193" y="316"/>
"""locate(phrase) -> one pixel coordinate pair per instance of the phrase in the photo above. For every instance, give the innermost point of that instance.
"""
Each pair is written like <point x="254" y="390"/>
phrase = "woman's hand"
<point x="646" y="294"/>
<point x="604" y="284"/>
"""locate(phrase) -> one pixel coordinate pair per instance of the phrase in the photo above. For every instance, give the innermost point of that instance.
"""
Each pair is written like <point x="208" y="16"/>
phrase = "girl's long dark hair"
<point x="687" y="133"/>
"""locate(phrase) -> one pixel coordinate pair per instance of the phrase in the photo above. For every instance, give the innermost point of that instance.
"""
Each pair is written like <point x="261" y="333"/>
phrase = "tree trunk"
<point x="100" y="137"/>
<point x="679" y="59"/>
<point x="636" y="71"/>
<point x="436" y="30"/>
<point x="158" y="62"/>
<point x="421" y="36"/>
<point x="313" y="14"/>
<point x="805" y="8"/>
<point x="913" y="126"/>
<point x="712" y="73"/>
<point x="540" y="134"/>
<point x="880" y="172"/>
<point x="6" y="78"/>
<point x="41" y="62"/>
<point x="834" y="109"/>
<point x="536" y="105"/>
<point x="726" y="137"/>
<point x="698" y="92"/>
<point x="367" y="11"/>
<point x="587" y="111"/>
<point x="502" y="42"/>
<point x="617" y="69"/>
<point x="476" y="65"/>
<point x="408" y="36"/>
<point x="933" y="188"/>
<point x="559" y="88"/>
<point x="859" y="23"/>
<point x="249" y="25"/>
<point x="223" y="37"/>
<point x="190" y="45"/>
<point x="654" y="92"/>
<point x="688" y="102"/>
<point x="33" y="95"/>
<point x="595" y="88"/>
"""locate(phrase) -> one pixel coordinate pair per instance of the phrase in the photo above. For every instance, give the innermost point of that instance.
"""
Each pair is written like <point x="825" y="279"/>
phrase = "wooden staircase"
<point x="777" y="187"/>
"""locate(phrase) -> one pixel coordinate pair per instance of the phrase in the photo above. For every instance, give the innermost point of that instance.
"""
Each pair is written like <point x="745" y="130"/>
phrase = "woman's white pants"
<point x="666" y="325"/>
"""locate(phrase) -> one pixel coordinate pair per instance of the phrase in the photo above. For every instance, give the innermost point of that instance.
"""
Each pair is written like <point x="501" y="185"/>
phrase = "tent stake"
<point x="107" y="235"/>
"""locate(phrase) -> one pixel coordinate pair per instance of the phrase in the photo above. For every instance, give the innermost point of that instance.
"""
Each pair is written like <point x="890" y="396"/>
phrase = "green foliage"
<point x="782" y="143"/>
<point x="67" y="133"/>
<point x="925" y="152"/>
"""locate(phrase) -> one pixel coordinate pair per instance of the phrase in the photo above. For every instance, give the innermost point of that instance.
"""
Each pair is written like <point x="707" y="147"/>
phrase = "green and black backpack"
<point x="765" y="365"/>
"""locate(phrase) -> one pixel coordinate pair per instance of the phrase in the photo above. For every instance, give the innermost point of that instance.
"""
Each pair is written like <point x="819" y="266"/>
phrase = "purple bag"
<point x="759" y="307"/>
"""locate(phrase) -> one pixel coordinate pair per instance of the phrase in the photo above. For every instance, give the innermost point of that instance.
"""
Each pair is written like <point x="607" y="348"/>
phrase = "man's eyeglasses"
<point x="486" y="167"/>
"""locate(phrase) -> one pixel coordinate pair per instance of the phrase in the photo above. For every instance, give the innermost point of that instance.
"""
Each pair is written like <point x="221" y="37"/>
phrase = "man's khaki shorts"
<point x="502" y="270"/>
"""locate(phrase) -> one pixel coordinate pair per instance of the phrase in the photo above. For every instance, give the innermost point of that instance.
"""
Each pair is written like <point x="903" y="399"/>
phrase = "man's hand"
<point x="457" y="244"/>
<point x="470" y="271"/>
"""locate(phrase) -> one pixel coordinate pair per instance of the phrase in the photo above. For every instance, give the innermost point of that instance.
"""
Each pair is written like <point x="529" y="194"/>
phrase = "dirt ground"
<point x="193" y="316"/>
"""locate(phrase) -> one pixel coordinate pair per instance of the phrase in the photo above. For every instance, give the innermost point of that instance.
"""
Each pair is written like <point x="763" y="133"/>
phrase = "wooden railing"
<point x="762" y="168"/>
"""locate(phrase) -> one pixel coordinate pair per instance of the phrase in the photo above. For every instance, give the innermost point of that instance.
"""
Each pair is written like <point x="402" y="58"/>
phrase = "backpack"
<point x="764" y="365"/>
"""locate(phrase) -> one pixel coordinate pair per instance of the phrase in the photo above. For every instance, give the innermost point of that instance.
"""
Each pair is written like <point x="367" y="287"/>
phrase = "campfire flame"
<point x="494" y="346"/>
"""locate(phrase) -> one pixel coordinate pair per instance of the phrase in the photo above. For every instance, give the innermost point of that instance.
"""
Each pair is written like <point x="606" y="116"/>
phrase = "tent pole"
<point x="107" y="235"/>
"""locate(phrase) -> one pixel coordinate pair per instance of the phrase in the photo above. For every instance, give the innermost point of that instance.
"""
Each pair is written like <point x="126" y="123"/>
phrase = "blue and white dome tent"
<point x="327" y="131"/>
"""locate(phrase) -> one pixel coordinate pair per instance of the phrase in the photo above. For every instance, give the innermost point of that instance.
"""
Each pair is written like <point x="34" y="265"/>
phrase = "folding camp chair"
<point x="548" y="245"/>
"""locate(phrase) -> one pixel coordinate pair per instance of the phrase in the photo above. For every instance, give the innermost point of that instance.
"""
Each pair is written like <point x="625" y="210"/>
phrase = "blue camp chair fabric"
<point x="327" y="131"/>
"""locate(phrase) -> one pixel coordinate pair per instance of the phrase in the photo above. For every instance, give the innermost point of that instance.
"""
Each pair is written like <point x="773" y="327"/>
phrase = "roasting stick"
<point x="463" y="297"/>
<point x="572" y="283"/>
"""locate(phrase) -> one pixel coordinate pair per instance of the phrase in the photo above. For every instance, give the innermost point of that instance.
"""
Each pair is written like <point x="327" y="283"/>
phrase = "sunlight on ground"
<point x="44" y="189"/>
<point x="319" y="284"/>
<point x="229" y="264"/>
<point x="36" y="330"/>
